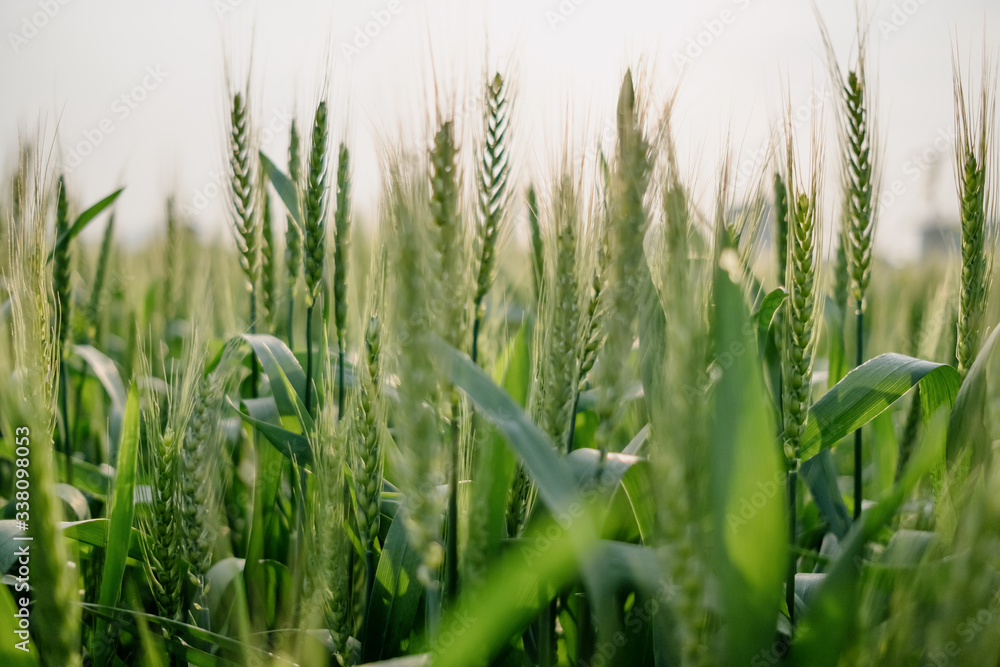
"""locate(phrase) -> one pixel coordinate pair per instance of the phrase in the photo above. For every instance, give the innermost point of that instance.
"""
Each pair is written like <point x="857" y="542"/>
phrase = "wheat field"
<point x="569" y="416"/>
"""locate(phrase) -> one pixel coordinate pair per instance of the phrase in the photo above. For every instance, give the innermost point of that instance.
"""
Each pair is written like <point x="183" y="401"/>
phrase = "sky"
<point x="134" y="93"/>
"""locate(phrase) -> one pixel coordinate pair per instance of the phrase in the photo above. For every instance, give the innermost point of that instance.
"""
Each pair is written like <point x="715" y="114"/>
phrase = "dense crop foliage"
<point x="631" y="440"/>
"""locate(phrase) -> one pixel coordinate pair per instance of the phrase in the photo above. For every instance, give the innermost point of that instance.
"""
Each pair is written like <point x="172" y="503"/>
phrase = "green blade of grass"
<point x="85" y="218"/>
<point x="119" y="519"/>
<point x="395" y="597"/>
<point x="285" y="188"/>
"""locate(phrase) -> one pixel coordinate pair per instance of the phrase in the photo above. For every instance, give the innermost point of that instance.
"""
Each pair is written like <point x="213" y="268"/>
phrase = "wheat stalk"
<point x="314" y="236"/>
<point x="293" y="234"/>
<point x="268" y="256"/>
<point x="30" y="359"/>
<point x="100" y="275"/>
<point x="494" y="172"/>
<point x="341" y="249"/>
<point x="975" y="174"/>
<point x="537" y="247"/>
<point x="799" y="331"/>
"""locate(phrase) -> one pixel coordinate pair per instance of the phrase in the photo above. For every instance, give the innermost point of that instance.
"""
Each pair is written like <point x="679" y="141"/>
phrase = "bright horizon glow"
<point x="140" y="87"/>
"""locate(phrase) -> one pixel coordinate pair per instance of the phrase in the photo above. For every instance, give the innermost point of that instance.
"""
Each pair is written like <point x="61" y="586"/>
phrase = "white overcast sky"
<point x="71" y="62"/>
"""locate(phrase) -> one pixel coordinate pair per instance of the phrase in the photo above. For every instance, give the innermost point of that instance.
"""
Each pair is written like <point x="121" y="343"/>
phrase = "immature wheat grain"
<point x="243" y="210"/>
<point x="800" y="333"/>
<point x="293" y="233"/>
<point x="172" y="268"/>
<point x="268" y="256"/>
<point x="100" y="275"/>
<point x="976" y="173"/>
<point x="61" y="262"/>
<point x="537" y="247"/>
<point x="494" y="172"/>
<point x="30" y="362"/>
<point x="628" y="186"/>
<point x="341" y="250"/>
<point x="314" y="237"/>
<point x="781" y="224"/>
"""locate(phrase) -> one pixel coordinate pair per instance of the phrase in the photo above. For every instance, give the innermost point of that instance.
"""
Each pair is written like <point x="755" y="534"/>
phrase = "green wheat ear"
<point x="494" y="172"/>
<point x="860" y="174"/>
<point x="341" y="250"/>
<point x="449" y="241"/>
<point x="100" y="276"/>
<point x="537" y="246"/>
<point x="781" y="224"/>
<point x="244" y="206"/>
<point x="172" y="261"/>
<point x="293" y="233"/>
<point x="268" y="257"/>
<point x="976" y="176"/>
<point x="61" y="267"/>
<point x="314" y="249"/>
<point x="629" y="182"/>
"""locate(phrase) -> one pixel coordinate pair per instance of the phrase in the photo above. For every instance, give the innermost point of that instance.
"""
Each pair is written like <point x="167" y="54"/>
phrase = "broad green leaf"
<point x="820" y="473"/>
<point x="747" y="491"/>
<point x="836" y="350"/>
<point x="95" y="533"/>
<point x="496" y="463"/>
<point x="269" y="465"/>
<point x="768" y="307"/>
<point x="75" y="506"/>
<point x="871" y="388"/>
<point x="120" y="517"/>
<point x="826" y="628"/>
<point x="637" y="485"/>
<point x="599" y="478"/>
<point x="527" y="576"/>
<point x="288" y="381"/>
<point x="968" y="429"/>
<point x="285" y="188"/>
<point x="395" y="597"/>
<point x="652" y="344"/>
<point x="82" y="221"/>
<point x="107" y="373"/>
<point x="292" y="445"/>
<point x="637" y="445"/>
<point x="555" y="485"/>
<point x="115" y="614"/>
<point x="550" y="474"/>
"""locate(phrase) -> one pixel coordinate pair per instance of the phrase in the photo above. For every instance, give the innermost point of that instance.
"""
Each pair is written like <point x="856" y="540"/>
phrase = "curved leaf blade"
<point x="869" y="390"/>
